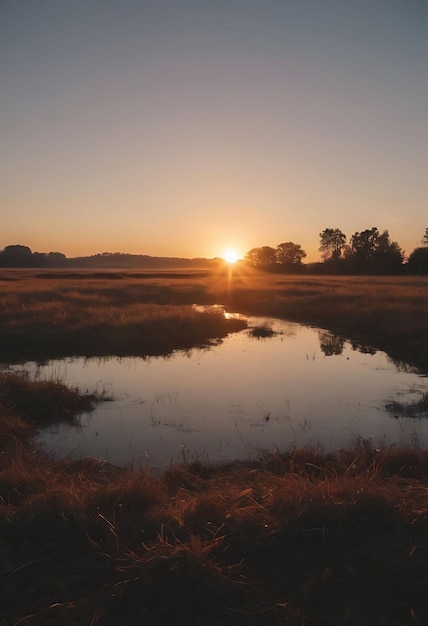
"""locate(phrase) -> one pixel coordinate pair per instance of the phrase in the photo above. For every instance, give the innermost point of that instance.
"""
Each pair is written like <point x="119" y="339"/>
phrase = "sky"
<point x="186" y="127"/>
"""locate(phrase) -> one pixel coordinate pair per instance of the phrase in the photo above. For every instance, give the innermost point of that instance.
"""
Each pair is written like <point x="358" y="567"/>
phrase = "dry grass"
<point x="43" y="318"/>
<point x="291" y="539"/>
<point x="43" y="402"/>
<point x="389" y="313"/>
<point x="70" y="313"/>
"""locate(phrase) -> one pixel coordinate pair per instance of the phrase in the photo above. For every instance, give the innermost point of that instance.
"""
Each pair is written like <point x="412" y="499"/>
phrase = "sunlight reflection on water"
<point x="299" y="386"/>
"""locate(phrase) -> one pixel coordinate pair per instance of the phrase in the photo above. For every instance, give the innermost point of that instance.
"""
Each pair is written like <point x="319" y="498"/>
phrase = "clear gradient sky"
<point x="184" y="127"/>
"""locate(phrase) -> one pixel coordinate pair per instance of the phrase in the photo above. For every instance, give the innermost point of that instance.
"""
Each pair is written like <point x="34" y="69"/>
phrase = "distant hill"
<point x="22" y="256"/>
<point x="118" y="260"/>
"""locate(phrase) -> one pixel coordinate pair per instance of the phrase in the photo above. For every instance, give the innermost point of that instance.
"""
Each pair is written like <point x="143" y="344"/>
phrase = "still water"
<point x="301" y="386"/>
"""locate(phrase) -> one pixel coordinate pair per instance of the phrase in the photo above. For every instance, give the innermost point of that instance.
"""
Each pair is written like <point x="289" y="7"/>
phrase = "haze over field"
<point x="185" y="128"/>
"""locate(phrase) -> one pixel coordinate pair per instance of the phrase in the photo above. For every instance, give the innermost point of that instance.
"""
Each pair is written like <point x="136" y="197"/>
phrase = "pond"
<point x="272" y="386"/>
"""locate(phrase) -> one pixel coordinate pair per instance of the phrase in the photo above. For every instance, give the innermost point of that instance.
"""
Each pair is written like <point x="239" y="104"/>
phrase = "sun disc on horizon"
<point x="230" y="256"/>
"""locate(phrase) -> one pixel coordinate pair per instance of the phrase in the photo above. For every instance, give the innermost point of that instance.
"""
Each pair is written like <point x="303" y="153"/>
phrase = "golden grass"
<point x="85" y="316"/>
<point x="81" y="313"/>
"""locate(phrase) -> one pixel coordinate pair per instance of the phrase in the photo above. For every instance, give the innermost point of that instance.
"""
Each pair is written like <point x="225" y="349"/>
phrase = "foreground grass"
<point x="300" y="539"/>
<point x="44" y="315"/>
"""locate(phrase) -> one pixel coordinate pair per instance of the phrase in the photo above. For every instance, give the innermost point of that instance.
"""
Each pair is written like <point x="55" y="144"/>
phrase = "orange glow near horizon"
<point x="231" y="256"/>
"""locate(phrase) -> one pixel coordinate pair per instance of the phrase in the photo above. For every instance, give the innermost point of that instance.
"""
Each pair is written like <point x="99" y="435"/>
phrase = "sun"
<point x="230" y="256"/>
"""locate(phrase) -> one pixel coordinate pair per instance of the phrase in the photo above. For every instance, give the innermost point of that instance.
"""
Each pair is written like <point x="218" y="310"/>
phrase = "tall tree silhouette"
<point x="374" y="252"/>
<point x="332" y="244"/>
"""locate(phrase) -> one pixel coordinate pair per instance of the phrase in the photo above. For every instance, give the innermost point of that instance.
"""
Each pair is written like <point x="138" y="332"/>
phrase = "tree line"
<point x="366" y="252"/>
<point x="23" y="256"/>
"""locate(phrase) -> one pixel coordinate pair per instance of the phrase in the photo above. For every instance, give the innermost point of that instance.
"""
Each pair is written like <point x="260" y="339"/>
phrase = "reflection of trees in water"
<point x="403" y="366"/>
<point x="330" y="344"/>
<point x="363" y="349"/>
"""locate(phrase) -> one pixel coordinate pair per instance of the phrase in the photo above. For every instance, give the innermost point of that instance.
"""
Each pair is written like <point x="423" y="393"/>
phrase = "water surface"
<point x="302" y="386"/>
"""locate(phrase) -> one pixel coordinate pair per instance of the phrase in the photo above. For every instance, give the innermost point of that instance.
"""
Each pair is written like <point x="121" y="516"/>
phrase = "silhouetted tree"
<point x="56" y="259"/>
<point x="417" y="262"/>
<point x="371" y="251"/>
<point x="425" y="238"/>
<point x="263" y="257"/>
<point x="332" y="244"/>
<point x="16" y="256"/>
<point x="388" y="256"/>
<point x="39" y="259"/>
<point x="289" y="255"/>
<point x="362" y="246"/>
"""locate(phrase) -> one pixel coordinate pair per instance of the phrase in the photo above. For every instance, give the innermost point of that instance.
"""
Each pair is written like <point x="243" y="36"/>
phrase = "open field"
<point x="300" y="539"/>
<point x="53" y="314"/>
